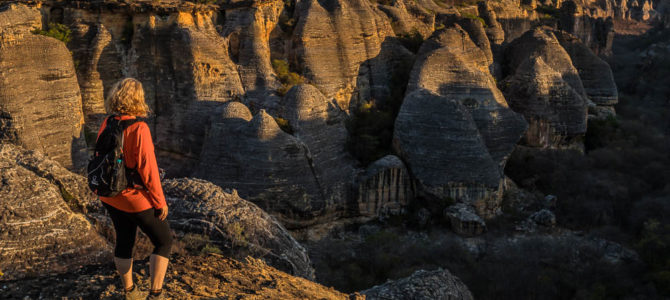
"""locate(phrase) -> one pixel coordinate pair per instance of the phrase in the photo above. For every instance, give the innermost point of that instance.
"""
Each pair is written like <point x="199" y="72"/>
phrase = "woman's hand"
<point x="162" y="213"/>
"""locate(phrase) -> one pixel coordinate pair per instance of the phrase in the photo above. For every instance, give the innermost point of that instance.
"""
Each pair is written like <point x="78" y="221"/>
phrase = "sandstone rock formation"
<point x="463" y="126"/>
<point x="464" y="221"/>
<point x="333" y="40"/>
<point x="199" y="207"/>
<point x="546" y="88"/>
<point x="439" y="140"/>
<point x="40" y="101"/>
<point x="267" y="165"/>
<point x="436" y="284"/>
<point x="385" y="188"/>
<point x="182" y="61"/>
<point x="595" y="74"/>
<point x="318" y="125"/>
<point x="302" y="177"/>
<point x="194" y="58"/>
<point x="40" y="233"/>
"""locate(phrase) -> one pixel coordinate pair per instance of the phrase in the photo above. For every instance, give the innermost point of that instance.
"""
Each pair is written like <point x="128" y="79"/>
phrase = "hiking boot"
<point x="135" y="294"/>
<point x="155" y="297"/>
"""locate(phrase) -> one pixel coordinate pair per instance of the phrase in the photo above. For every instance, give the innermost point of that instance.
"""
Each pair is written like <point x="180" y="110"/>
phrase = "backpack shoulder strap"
<point x="126" y="123"/>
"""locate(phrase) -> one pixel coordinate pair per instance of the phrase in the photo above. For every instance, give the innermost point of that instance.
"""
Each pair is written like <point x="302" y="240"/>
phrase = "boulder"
<point x="544" y="217"/>
<point x="385" y="188"/>
<point x="422" y="284"/>
<point x="40" y="102"/>
<point x="200" y="207"/>
<point x="40" y="233"/>
<point x="464" y="220"/>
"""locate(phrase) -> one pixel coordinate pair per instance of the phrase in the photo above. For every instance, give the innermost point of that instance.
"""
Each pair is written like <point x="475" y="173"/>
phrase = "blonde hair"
<point x="127" y="98"/>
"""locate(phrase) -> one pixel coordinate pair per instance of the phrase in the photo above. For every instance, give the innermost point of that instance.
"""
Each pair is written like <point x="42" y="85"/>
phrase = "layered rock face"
<point x="385" y="188"/>
<point x="40" y="103"/>
<point x="546" y="88"/>
<point x="40" y="232"/>
<point x="595" y="74"/>
<point x="181" y="59"/>
<point x="200" y="207"/>
<point x="436" y="284"/>
<point x="193" y="59"/>
<point x="454" y="128"/>
<point x="594" y="27"/>
<point x="335" y="46"/>
<point x="267" y="165"/>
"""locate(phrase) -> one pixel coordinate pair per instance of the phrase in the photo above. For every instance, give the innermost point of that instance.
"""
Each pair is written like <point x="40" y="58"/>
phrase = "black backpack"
<point x="107" y="172"/>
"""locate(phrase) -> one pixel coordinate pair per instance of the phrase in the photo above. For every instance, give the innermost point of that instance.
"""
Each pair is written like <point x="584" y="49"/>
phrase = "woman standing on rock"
<point x="144" y="204"/>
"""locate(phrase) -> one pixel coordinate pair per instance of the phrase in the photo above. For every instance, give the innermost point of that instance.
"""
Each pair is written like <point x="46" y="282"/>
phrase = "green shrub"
<point x="57" y="31"/>
<point x="236" y="234"/>
<point x="548" y="11"/>
<point x="287" y="78"/>
<point x="474" y="17"/>
<point x="209" y="248"/>
<point x="601" y="132"/>
<point x="284" y="125"/>
<point x="654" y="249"/>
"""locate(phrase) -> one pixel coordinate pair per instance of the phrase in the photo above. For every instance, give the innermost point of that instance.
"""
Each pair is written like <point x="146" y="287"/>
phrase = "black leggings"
<point x="125" y="225"/>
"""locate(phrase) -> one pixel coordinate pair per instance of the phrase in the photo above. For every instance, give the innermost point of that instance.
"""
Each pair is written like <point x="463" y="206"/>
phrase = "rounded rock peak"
<point x="265" y="125"/>
<point x="236" y="110"/>
<point x="304" y="102"/>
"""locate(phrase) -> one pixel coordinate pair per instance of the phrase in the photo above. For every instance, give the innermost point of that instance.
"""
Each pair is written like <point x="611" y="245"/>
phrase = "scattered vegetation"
<point x="544" y="267"/>
<point x="57" y="31"/>
<point x="654" y="248"/>
<point x="287" y="78"/>
<point x="236" y="234"/>
<point x="284" y="125"/>
<point x="199" y="244"/>
<point x="548" y="11"/>
<point x="619" y="188"/>
<point x="371" y="123"/>
<point x="209" y="248"/>
<point x="474" y="17"/>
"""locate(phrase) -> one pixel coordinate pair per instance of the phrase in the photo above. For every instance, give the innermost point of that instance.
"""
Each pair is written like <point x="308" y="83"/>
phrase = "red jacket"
<point x="138" y="152"/>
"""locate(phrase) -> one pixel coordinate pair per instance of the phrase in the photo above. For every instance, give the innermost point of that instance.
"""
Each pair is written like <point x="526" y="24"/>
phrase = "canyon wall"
<point x="261" y="96"/>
